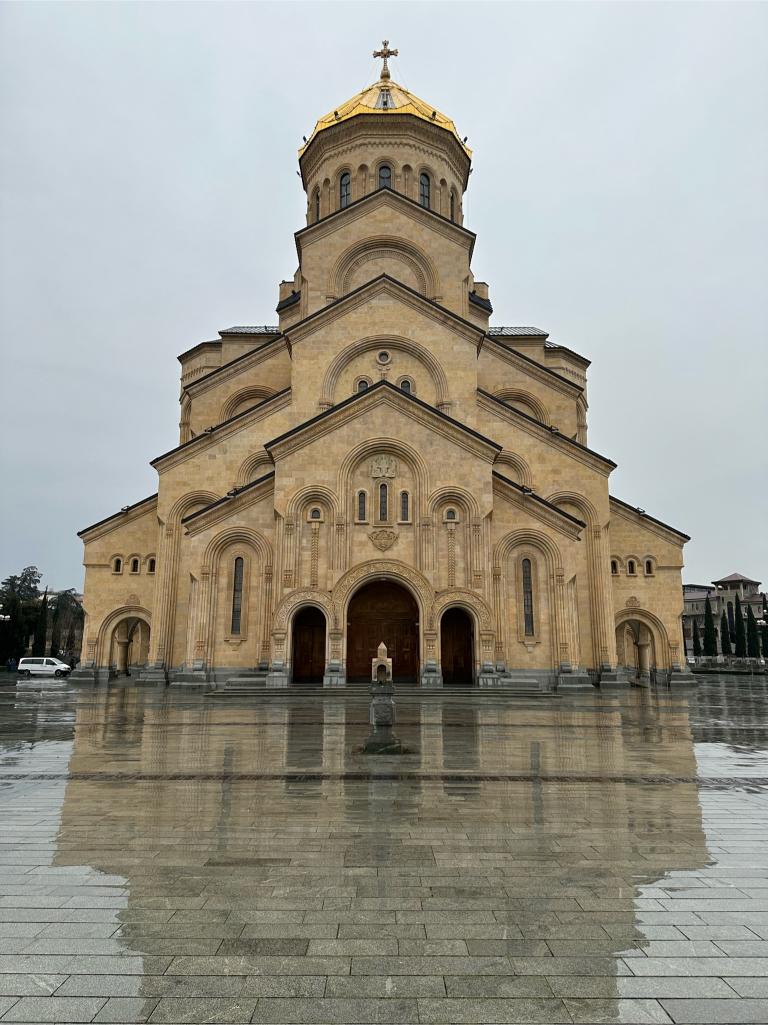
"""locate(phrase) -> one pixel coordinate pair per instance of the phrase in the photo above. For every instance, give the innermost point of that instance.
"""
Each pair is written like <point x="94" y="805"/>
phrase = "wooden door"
<point x="309" y="646"/>
<point x="386" y="612"/>
<point x="456" y="658"/>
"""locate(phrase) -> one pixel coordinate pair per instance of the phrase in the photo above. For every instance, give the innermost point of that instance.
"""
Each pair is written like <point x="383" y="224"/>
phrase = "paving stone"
<point x="356" y="986"/>
<point x="126" y="1009"/>
<point x="31" y="984"/>
<point x="182" y="1010"/>
<point x="309" y="1012"/>
<point x="285" y="986"/>
<point x="711" y="1012"/>
<point x="505" y="1012"/>
<point x="55" y="1009"/>
<point x="636" y="987"/>
<point x="504" y="986"/>
<point x="628" y="1012"/>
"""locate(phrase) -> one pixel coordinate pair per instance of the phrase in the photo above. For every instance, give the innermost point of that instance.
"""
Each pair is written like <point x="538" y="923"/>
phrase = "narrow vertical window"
<point x="406" y="386"/>
<point x="453" y="205"/>
<point x="134" y="565"/>
<point x="527" y="598"/>
<point x="345" y="190"/>
<point x="317" y="204"/>
<point x="237" y="597"/>
<point x="361" y="501"/>
<point x="385" y="177"/>
<point x="405" y="503"/>
<point x="614" y="568"/>
<point x="424" y="190"/>
<point x="362" y="385"/>
<point x="151" y="566"/>
<point x="648" y="568"/>
<point x="631" y="567"/>
<point x="383" y="503"/>
<point x="117" y="566"/>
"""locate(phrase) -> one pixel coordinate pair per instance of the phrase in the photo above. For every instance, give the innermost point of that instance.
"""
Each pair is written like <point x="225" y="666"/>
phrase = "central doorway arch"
<point x="383" y="611"/>
<point x="308" y="659"/>
<point x="456" y="654"/>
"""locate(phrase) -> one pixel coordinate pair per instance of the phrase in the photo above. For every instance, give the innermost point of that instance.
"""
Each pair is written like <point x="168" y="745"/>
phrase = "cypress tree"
<point x="41" y="627"/>
<point x="696" y="641"/>
<point x="753" y="641"/>
<point x="710" y="642"/>
<point x="741" y="636"/>
<point x="725" y="636"/>
<point x="764" y="632"/>
<point x="56" y="630"/>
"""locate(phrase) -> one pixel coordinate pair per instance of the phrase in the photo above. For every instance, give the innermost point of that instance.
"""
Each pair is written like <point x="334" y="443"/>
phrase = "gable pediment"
<point x="397" y="204"/>
<point x="380" y="290"/>
<point x="402" y="411"/>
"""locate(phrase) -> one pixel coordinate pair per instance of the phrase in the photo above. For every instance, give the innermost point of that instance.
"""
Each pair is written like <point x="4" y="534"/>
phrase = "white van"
<point x="43" y="667"/>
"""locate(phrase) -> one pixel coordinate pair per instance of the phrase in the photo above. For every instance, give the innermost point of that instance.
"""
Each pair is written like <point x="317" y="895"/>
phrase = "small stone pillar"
<point x="381" y="739"/>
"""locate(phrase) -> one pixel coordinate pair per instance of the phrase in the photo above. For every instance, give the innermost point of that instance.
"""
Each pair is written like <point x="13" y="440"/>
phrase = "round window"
<point x="383" y="356"/>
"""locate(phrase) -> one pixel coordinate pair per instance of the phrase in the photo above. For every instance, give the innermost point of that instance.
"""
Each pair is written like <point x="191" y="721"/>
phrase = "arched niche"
<point x="244" y="399"/>
<point x="384" y="254"/>
<point x="407" y="359"/>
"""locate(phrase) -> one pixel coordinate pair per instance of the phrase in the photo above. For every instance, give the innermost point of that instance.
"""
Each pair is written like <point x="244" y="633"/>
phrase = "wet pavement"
<point x="173" y="857"/>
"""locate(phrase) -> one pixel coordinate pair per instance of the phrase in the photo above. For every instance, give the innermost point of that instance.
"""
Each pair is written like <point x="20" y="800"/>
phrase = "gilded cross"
<point x="385" y="52"/>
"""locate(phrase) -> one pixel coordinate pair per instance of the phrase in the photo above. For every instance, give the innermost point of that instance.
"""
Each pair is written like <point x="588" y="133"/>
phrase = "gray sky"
<point x="619" y="194"/>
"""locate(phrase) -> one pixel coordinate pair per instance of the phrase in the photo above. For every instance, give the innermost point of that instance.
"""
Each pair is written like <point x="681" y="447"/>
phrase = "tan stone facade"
<point x="383" y="461"/>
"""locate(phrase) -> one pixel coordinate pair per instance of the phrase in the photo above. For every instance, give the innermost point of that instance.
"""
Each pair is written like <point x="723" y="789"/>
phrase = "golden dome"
<point x="380" y="98"/>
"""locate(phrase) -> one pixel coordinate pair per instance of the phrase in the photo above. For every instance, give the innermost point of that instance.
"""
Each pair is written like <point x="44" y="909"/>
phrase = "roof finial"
<point x="385" y="52"/>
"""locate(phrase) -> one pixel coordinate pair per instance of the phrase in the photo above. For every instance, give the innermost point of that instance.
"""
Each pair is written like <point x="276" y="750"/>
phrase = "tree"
<point x="741" y="636"/>
<point x="753" y="641"/>
<point x="764" y="633"/>
<point x="725" y="636"/>
<point x="41" y="627"/>
<point x="710" y="641"/>
<point x="24" y="585"/>
<point x="19" y="595"/>
<point x="696" y="641"/>
<point x="67" y="616"/>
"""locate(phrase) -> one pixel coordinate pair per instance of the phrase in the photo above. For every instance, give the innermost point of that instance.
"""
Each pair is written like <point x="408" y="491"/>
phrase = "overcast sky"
<point x="619" y="194"/>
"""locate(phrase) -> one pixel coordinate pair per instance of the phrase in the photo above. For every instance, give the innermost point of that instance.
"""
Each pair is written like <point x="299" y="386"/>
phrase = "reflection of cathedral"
<point x="383" y="464"/>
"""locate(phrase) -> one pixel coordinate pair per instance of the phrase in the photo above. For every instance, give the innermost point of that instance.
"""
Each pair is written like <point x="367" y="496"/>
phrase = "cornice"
<point x="441" y="225"/>
<point x="212" y="437"/>
<point x="538" y="507"/>
<point x="235" y="367"/>
<point x="640" y="518"/>
<point x="550" y="436"/>
<point x="232" y="503"/>
<point x="383" y="392"/>
<point x="385" y="126"/>
<point x="118" y="519"/>
<point x="213" y="345"/>
<point x="535" y="369"/>
<point x="384" y="283"/>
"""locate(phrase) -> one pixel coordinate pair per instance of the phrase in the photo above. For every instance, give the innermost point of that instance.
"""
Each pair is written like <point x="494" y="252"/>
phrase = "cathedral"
<point x="383" y="464"/>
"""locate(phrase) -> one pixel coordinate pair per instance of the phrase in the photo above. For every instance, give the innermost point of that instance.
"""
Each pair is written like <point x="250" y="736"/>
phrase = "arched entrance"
<point x="636" y="650"/>
<point x="456" y="654"/>
<point x="308" y="658"/>
<point x="129" y="645"/>
<point x="383" y="611"/>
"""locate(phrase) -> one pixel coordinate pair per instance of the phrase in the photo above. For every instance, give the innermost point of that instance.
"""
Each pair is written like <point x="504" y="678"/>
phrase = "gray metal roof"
<point x="511" y="332"/>
<point x="252" y="329"/>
